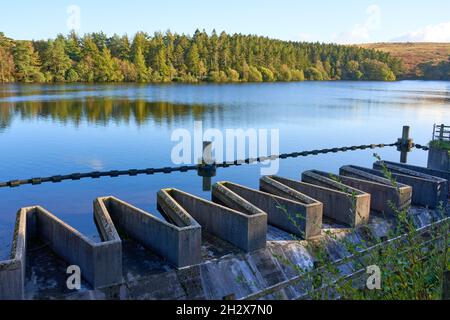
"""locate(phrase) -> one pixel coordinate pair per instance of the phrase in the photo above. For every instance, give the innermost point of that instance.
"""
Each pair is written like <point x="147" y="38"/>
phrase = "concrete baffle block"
<point x="428" y="190"/>
<point x="245" y="229"/>
<point x="359" y="201"/>
<point x="383" y="192"/>
<point x="100" y="263"/>
<point x="177" y="239"/>
<point x="337" y="204"/>
<point x="432" y="172"/>
<point x="303" y="219"/>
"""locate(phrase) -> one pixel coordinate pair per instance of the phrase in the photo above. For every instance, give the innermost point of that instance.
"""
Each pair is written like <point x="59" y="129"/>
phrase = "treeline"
<point x="435" y="71"/>
<point x="170" y="57"/>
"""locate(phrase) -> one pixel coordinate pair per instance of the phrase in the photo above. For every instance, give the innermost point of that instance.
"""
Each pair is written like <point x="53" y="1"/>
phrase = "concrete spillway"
<point x="209" y="249"/>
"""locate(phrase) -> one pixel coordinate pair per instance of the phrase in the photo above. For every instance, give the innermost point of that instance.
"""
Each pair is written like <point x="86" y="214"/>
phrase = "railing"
<point x="441" y="132"/>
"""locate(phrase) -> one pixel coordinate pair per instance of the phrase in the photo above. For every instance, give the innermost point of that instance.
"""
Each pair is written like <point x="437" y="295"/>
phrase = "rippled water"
<point x="60" y="129"/>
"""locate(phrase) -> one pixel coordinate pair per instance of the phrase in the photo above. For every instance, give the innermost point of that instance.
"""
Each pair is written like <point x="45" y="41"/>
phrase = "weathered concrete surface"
<point x="233" y="272"/>
<point x="432" y="172"/>
<point x="303" y="219"/>
<point x="381" y="190"/>
<point x="337" y="204"/>
<point x="428" y="190"/>
<point x="12" y="271"/>
<point x="178" y="242"/>
<point x="100" y="263"/>
<point x="439" y="159"/>
<point x="246" y="230"/>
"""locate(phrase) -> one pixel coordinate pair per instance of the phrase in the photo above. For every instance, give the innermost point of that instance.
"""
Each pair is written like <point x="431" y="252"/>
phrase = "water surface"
<point x="60" y="129"/>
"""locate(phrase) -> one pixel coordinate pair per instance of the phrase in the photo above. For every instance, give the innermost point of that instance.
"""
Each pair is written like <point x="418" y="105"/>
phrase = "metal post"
<point x="207" y="168"/>
<point x="405" y="145"/>
<point x="441" y="134"/>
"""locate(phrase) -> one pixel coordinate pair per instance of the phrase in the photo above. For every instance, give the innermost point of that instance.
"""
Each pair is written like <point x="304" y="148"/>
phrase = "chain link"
<point x="168" y="170"/>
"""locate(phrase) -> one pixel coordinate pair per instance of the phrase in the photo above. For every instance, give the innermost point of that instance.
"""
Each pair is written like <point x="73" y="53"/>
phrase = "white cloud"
<point x="436" y="33"/>
<point x="361" y="32"/>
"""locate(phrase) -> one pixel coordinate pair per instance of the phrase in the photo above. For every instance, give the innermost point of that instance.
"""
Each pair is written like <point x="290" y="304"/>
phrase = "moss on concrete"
<point x="438" y="144"/>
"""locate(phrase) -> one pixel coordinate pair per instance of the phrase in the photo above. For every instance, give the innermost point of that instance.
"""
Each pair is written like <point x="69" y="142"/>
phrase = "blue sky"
<point x="344" y="21"/>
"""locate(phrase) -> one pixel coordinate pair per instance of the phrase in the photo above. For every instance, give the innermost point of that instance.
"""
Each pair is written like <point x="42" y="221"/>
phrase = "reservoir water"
<point x="48" y="130"/>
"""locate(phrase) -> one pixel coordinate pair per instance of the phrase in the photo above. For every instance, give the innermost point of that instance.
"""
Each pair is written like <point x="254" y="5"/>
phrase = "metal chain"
<point x="168" y="170"/>
<point x="421" y="147"/>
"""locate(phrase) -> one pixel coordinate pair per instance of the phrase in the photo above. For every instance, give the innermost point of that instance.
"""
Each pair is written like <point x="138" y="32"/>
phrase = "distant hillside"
<point x="414" y="54"/>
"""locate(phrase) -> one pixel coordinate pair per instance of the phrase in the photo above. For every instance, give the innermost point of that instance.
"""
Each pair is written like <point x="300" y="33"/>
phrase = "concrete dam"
<point x="225" y="247"/>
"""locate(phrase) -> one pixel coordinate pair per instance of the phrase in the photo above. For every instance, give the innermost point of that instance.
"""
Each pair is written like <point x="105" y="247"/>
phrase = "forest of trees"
<point x="435" y="71"/>
<point x="167" y="57"/>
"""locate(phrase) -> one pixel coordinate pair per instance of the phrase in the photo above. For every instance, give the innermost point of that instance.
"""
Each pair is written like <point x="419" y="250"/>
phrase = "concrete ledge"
<point x="12" y="272"/>
<point x="336" y="204"/>
<point x="177" y="240"/>
<point x="303" y="219"/>
<point x="428" y="191"/>
<point x="246" y="230"/>
<point x="381" y="190"/>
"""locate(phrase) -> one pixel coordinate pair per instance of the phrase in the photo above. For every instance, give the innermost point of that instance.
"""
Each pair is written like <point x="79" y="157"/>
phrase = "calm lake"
<point x="60" y="129"/>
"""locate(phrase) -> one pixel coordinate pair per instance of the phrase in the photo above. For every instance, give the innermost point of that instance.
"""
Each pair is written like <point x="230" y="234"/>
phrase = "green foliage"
<point x="313" y="74"/>
<point x="27" y="63"/>
<point x="432" y="71"/>
<point x="412" y="263"/>
<point x="173" y="57"/>
<point x="56" y="61"/>
<point x="440" y="144"/>
<point x="284" y="73"/>
<point x="7" y="67"/>
<point x="254" y="75"/>
<point x="377" y="70"/>
<point x="267" y="74"/>
<point x="297" y="75"/>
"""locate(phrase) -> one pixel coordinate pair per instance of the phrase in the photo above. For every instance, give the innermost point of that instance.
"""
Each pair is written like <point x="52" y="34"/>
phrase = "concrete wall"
<point x="246" y="231"/>
<point x="179" y="243"/>
<point x="300" y="219"/>
<point x="100" y="263"/>
<point x="381" y="190"/>
<point x="428" y="191"/>
<point x="439" y="159"/>
<point x="336" y="204"/>
<point x="12" y="272"/>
